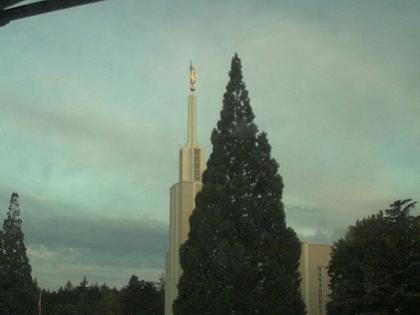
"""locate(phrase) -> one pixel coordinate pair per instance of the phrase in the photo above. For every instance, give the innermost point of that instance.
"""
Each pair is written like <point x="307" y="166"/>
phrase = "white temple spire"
<point x="192" y="120"/>
<point x="192" y="163"/>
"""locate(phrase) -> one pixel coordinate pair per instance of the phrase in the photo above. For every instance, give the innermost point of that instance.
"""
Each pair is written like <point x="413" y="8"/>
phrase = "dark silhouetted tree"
<point x="141" y="298"/>
<point x="109" y="304"/>
<point x="160" y="287"/>
<point x="240" y="257"/>
<point x="373" y="268"/>
<point x="87" y="298"/>
<point x="18" y="291"/>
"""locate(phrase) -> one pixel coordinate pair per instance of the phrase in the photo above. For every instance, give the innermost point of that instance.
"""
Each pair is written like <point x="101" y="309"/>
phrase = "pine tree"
<point x="372" y="268"/>
<point x="240" y="257"/>
<point x="18" y="291"/>
<point x="141" y="297"/>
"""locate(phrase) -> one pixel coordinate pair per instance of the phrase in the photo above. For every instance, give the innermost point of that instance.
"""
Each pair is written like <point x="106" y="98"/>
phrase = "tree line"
<point x="139" y="297"/>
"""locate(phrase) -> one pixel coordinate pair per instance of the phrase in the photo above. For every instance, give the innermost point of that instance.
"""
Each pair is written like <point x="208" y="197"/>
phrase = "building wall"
<point x="314" y="262"/>
<point x="182" y="205"/>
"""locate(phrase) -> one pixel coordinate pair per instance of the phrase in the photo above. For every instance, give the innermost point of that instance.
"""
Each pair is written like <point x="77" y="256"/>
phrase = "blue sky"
<point x="93" y="113"/>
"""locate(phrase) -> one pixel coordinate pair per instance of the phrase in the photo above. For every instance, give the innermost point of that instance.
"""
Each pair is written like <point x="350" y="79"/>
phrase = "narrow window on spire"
<point x="197" y="173"/>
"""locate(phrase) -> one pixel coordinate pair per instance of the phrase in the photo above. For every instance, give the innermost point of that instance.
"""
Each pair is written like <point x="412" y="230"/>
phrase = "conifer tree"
<point x="18" y="292"/>
<point x="141" y="297"/>
<point x="240" y="257"/>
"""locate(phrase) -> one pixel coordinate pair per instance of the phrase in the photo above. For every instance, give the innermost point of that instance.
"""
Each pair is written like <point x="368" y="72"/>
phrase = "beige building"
<point x="192" y="163"/>
<point x="314" y="262"/>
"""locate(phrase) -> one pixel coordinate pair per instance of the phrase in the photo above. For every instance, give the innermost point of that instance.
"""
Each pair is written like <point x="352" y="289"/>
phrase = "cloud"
<point x="64" y="242"/>
<point x="91" y="138"/>
<point x="53" y="267"/>
<point x="103" y="249"/>
<point x="109" y="236"/>
<point x="339" y="117"/>
<point x="316" y="225"/>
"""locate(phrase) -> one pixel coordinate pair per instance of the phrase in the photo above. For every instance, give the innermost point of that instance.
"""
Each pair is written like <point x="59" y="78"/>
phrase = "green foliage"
<point x="373" y="268"/>
<point x="139" y="297"/>
<point x="109" y="304"/>
<point x="18" y="291"/>
<point x="240" y="257"/>
<point x="88" y="297"/>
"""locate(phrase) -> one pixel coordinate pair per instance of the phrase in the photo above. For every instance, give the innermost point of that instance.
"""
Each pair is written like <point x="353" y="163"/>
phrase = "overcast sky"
<point x="93" y="111"/>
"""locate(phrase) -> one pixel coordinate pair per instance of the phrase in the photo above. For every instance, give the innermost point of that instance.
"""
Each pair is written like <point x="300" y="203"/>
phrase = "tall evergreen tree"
<point x="373" y="268"/>
<point x="141" y="298"/>
<point x="17" y="289"/>
<point x="240" y="257"/>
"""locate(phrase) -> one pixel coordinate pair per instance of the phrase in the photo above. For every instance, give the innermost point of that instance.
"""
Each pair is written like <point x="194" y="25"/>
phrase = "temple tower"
<point x="192" y="163"/>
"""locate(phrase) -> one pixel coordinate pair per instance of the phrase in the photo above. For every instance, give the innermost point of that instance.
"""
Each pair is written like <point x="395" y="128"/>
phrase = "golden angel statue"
<point x="193" y="77"/>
